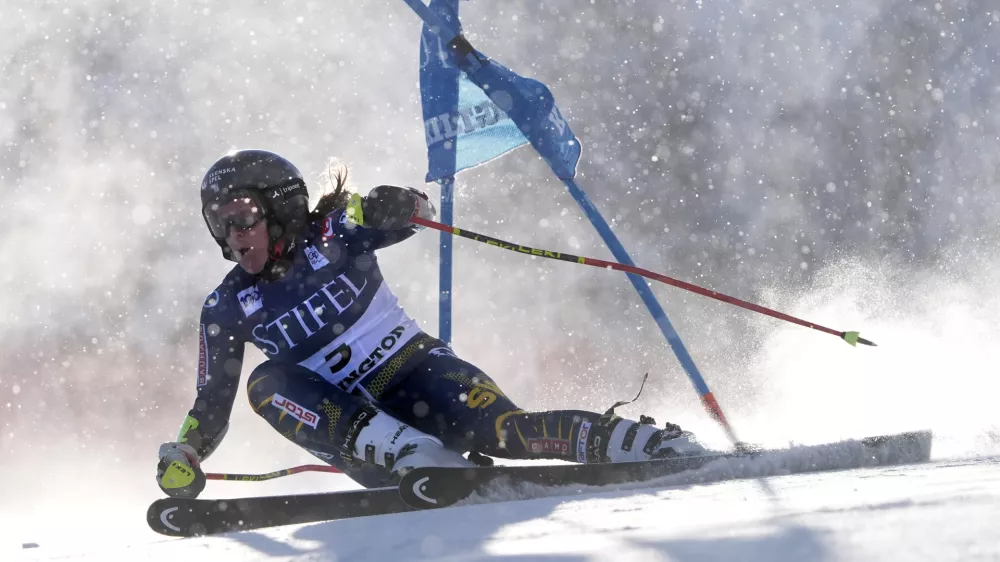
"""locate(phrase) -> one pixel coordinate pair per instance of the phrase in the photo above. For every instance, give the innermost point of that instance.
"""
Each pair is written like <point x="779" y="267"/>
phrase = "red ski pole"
<point x="272" y="475"/>
<point x="852" y="338"/>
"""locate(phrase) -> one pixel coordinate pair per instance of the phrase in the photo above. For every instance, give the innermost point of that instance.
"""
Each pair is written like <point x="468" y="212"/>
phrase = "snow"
<point x="939" y="511"/>
<point x="723" y="138"/>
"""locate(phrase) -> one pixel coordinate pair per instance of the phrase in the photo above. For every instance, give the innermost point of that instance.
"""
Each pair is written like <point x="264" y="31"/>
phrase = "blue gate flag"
<point x="528" y="103"/>
<point x="463" y="127"/>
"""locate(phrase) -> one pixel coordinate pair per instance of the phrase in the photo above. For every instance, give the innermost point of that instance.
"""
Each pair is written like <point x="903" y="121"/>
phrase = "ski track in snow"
<point x="939" y="511"/>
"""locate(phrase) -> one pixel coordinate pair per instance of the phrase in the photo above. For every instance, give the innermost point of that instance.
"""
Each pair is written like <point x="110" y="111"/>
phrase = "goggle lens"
<point x="241" y="213"/>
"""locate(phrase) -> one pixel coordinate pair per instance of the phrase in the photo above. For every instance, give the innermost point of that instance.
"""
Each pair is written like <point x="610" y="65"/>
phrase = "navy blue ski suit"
<point x="337" y="341"/>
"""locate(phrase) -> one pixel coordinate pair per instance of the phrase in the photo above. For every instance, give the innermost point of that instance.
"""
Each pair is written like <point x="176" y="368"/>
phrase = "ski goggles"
<point x="242" y="211"/>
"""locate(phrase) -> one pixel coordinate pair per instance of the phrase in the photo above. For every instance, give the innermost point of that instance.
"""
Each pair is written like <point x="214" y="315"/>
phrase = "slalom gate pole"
<point x="655" y="310"/>
<point x="560" y="163"/>
<point x="445" y="290"/>
<point x="852" y="338"/>
<point x="272" y="475"/>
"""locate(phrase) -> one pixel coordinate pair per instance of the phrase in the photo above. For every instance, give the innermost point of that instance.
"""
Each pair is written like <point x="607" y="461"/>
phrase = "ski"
<point x="424" y="488"/>
<point x="178" y="517"/>
<point x="440" y="487"/>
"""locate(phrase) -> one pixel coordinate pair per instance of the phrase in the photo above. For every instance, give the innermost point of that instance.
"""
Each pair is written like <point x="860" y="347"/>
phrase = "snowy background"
<point x="836" y="160"/>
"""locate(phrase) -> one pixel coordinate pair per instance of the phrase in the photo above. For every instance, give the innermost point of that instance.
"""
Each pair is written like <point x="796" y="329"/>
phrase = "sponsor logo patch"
<point x="300" y="413"/>
<point x="399" y="432"/>
<point x="202" y="356"/>
<point x="316" y="259"/>
<point x="303" y="320"/>
<point x="212" y="300"/>
<point x="482" y="394"/>
<point x="374" y="358"/>
<point x="322" y="455"/>
<point x="542" y="446"/>
<point x="250" y="300"/>
<point x="213" y="179"/>
<point x="328" y="227"/>
<point x="360" y="420"/>
<point x="442" y="352"/>
<point x="581" y="443"/>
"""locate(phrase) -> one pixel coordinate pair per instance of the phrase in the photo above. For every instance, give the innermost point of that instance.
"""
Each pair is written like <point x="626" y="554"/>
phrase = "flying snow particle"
<point x="421" y="409"/>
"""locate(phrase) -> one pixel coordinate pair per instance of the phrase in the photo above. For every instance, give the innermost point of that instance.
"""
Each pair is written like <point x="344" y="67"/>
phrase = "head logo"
<point x="316" y="259"/>
<point x="250" y="300"/>
<point x="355" y="424"/>
<point x="402" y="428"/>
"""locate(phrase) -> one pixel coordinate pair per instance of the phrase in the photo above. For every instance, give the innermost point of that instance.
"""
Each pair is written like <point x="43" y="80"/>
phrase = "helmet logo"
<point x="278" y="191"/>
<point x="212" y="179"/>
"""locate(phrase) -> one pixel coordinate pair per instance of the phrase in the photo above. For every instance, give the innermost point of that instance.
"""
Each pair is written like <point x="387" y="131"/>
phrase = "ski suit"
<point x="339" y="345"/>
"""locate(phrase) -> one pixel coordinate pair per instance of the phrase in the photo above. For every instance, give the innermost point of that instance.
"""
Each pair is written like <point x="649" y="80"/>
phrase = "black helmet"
<point x="269" y="180"/>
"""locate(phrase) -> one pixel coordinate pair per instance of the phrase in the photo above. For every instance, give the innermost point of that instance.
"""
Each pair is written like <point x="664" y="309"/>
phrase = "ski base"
<point x="427" y="488"/>
<point x="179" y="517"/>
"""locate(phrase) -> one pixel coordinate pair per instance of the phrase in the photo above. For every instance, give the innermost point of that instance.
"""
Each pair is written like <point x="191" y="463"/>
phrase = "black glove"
<point x="388" y="207"/>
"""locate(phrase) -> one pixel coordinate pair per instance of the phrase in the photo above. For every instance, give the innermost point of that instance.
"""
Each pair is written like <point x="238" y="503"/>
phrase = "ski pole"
<point x="852" y="338"/>
<point x="272" y="475"/>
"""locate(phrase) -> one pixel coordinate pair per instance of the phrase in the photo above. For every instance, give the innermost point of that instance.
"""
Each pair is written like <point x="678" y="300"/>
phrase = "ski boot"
<point x="617" y="439"/>
<point x="378" y="438"/>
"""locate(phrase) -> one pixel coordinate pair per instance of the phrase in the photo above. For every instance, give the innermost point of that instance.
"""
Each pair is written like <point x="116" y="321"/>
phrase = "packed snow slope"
<point x="940" y="511"/>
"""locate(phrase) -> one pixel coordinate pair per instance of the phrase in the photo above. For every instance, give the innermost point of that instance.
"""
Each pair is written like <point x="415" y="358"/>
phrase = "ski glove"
<point x="388" y="207"/>
<point x="178" y="474"/>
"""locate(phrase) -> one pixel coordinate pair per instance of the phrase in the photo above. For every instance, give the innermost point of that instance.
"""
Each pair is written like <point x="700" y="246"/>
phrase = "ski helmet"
<point x="270" y="181"/>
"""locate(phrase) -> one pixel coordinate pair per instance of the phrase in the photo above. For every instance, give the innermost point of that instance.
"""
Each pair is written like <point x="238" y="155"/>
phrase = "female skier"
<point x="349" y="376"/>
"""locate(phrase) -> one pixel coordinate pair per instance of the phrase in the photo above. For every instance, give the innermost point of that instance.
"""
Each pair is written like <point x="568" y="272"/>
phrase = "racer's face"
<point x="246" y="233"/>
